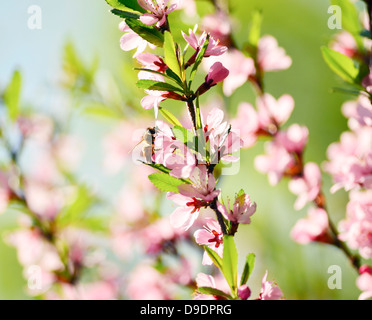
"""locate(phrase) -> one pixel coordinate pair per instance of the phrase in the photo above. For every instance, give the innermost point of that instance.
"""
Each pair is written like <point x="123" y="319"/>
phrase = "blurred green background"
<point x="300" y="27"/>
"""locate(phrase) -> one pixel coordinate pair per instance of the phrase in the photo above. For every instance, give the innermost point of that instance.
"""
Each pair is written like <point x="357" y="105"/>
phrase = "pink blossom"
<point x="241" y="211"/>
<point x="223" y="140"/>
<point x="132" y="40"/>
<point x="185" y="215"/>
<point x="192" y="198"/>
<point x="270" y="56"/>
<point x="100" y="290"/>
<point x="172" y="153"/>
<point x="203" y="185"/>
<point x="359" y="113"/>
<point x="159" y="235"/>
<point x="212" y="237"/>
<point x="344" y="42"/>
<point x="356" y="229"/>
<point x="204" y="280"/>
<point x="46" y="278"/>
<point x="270" y="290"/>
<point x="308" y="186"/>
<point x="130" y="207"/>
<point x="217" y="282"/>
<point x="67" y="150"/>
<point x="240" y="69"/>
<point x="350" y="160"/>
<point x="364" y="282"/>
<point x="33" y="249"/>
<point x="152" y="62"/>
<point x="217" y="73"/>
<point x="120" y="234"/>
<point x="38" y="127"/>
<point x="179" y="159"/>
<point x="367" y="83"/>
<point x="117" y="148"/>
<point x="244" y="292"/>
<point x="44" y="170"/>
<point x="213" y="49"/>
<point x="219" y="26"/>
<point x="145" y="283"/>
<point x="247" y="123"/>
<point x="140" y="181"/>
<point x="158" y="11"/>
<point x="182" y="273"/>
<point x="154" y="97"/>
<point x="189" y="7"/>
<point x="293" y="139"/>
<point x="46" y="201"/>
<point x="313" y="228"/>
<point x="164" y="141"/>
<point x="272" y="111"/>
<point x="275" y="162"/>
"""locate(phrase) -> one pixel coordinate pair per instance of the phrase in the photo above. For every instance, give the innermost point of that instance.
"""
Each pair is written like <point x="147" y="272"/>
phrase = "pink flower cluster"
<point x="270" y="114"/>
<point x="131" y="40"/>
<point x="350" y="164"/>
<point x="212" y="234"/>
<point x="364" y="282"/>
<point x="270" y="57"/>
<point x="350" y="160"/>
<point x="269" y="290"/>
<point x="159" y="11"/>
<point x="356" y="229"/>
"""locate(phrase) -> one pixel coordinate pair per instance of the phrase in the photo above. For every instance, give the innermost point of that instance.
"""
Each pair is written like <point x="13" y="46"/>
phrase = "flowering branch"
<point x="187" y="160"/>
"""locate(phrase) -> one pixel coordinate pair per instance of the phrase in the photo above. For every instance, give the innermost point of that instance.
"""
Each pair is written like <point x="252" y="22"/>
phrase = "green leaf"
<point x="166" y="75"/>
<point x="214" y="257"/>
<point x="170" y="52"/>
<point x="248" y="268"/>
<point x="255" y="31"/>
<point x="366" y="33"/>
<point x="172" y="75"/>
<point x="347" y="91"/>
<point x="158" y="167"/>
<point x="125" y="5"/>
<point x="77" y="209"/>
<point x="193" y="142"/>
<point x="184" y="135"/>
<point x="163" y="169"/>
<point x="79" y="76"/>
<point x="214" y="292"/>
<point x="169" y="117"/>
<point x="125" y="14"/>
<point x="164" y="182"/>
<point x="230" y="263"/>
<point x="156" y="85"/>
<point x="91" y="223"/>
<point x="199" y="124"/>
<point x="12" y="95"/>
<point x="149" y="33"/>
<point x="342" y="65"/>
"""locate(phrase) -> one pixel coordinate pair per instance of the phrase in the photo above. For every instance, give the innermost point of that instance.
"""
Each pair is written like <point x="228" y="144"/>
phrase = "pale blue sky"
<point x="38" y="52"/>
